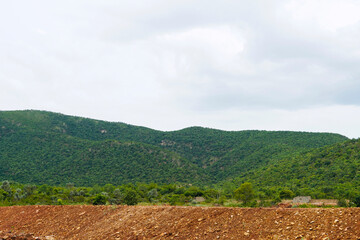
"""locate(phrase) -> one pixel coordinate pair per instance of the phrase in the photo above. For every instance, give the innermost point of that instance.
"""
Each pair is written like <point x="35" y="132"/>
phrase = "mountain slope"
<point x="55" y="146"/>
<point x="331" y="171"/>
<point x="263" y="148"/>
<point x="51" y="158"/>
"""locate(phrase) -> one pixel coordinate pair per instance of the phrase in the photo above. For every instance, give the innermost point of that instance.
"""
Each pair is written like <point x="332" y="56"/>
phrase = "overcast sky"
<point x="167" y="65"/>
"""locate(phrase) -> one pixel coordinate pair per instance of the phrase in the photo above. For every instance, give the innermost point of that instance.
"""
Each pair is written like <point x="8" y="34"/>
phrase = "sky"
<point x="167" y="65"/>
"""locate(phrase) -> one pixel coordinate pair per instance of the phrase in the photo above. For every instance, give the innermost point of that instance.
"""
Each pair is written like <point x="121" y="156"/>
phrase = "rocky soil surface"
<point x="167" y="222"/>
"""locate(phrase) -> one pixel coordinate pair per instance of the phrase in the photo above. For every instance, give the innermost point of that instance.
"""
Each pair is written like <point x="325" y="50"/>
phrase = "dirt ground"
<point x="168" y="222"/>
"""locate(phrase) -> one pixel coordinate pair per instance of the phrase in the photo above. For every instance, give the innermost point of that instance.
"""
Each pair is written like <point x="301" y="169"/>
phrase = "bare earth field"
<point x="167" y="222"/>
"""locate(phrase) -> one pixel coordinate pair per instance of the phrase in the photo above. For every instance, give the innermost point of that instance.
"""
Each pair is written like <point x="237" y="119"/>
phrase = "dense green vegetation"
<point x="213" y="149"/>
<point x="38" y="157"/>
<point x="12" y="193"/>
<point x="327" y="172"/>
<point x="39" y="147"/>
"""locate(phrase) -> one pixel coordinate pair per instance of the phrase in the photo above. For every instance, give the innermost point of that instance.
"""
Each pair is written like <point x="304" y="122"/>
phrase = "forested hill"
<point x="322" y="172"/>
<point x="46" y="147"/>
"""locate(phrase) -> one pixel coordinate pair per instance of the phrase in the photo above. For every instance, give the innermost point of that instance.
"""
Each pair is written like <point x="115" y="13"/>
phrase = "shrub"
<point x="342" y="203"/>
<point x="245" y="193"/>
<point x="99" y="200"/>
<point x="286" y="194"/>
<point x="130" y="197"/>
<point x="357" y="201"/>
<point x="193" y="192"/>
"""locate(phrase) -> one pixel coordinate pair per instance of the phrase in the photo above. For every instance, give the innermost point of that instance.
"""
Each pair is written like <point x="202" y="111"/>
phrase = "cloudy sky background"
<point x="231" y="65"/>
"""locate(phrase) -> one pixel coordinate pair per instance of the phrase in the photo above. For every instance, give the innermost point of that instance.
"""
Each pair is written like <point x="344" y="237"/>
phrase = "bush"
<point x="99" y="200"/>
<point x="220" y="201"/>
<point x="152" y="194"/>
<point x="357" y="201"/>
<point x="130" y="197"/>
<point x="193" y="192"/>
<point x="286" y="194"/>
<point x="245" y="193"/>
<point x="342" y="203"/>
<point x="276" y="200"/>
<point x="3" y="194"/>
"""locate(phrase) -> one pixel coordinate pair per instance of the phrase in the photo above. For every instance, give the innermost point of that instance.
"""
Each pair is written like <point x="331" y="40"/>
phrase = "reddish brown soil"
<point x="165" y="222"/>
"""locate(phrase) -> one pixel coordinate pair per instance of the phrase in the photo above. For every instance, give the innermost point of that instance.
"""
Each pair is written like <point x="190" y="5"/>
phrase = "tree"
<point x="357" y="201"/>
<point x="109" y="188"/>
<point x="153" y="193"/>
<point x="194" y="192"/>
<point x="130" y="197"/>
<point x="244" y="193"/>
<point x="29" y="189"/>
<point x="3" y="194"/>
<point x="99" y="199"/>
<point x="18" y="195"/>
<point x="6" y="186"/>
<point x="212" y="193"/>
<point x="286" y="194"/>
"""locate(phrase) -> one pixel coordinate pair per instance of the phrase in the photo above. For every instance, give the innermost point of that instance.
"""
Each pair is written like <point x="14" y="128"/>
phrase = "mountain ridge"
<point x="208" y="155"/>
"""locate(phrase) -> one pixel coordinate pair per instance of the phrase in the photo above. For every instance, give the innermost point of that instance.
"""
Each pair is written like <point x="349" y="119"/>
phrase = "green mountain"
<point x="327" y="170"/>
<point x="46" y="147"/>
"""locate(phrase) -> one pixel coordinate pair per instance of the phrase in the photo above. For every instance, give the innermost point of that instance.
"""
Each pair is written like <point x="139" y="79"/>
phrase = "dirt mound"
<point x="165" y="222"/>
<point x="9" y="235"/>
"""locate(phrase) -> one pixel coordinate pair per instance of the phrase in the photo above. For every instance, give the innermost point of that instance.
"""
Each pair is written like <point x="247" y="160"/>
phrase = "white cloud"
<point x="329" y="15"/>
<point x="171" y="64"/>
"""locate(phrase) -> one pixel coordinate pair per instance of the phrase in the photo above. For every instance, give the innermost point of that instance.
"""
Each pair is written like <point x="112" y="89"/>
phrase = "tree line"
<point x="13" y="193"/>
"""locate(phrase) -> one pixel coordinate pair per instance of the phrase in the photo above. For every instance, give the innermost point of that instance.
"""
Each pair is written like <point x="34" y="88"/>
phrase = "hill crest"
<point x="56" y="141"/>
